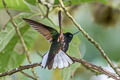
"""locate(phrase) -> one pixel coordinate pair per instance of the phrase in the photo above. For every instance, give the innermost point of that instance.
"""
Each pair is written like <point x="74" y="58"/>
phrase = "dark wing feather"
<point x="46" y="31"/>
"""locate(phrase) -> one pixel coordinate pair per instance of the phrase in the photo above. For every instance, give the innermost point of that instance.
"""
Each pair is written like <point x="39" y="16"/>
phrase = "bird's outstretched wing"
<point x="46" y="31"/>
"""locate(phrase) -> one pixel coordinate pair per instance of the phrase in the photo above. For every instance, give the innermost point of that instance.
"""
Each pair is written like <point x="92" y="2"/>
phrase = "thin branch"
<point x="97" y="68"/>
<point x="61" y="36"/>
<point x="89" y="38"/>
<point x="83" y="62"/>
<point x="19" y="35"/>
<point x="19" y="69"/>
<point x="39" y="1"/>
<point x="60" y="22"/>
<point x="29" y="76"/>
<point x="47" y="5"/>
<point x="60" y="19"/>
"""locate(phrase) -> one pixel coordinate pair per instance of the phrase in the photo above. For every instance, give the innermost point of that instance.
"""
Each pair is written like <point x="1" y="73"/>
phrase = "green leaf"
<point x="33" y="2"/>
<point x="29" y="37"/>
<point x="10" y="60"/>
<point x="9" y="57"/>
<point x="75" y="2"/>
<point x="33" y="8"/>
<point x="7" y="34"/>
<point x="56" y="2"/>
<point x="15" y="5"/>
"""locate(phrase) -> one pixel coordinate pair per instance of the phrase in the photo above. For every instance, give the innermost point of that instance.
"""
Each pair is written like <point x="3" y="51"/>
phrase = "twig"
<point x="45" y="14"/>
<point x="19" y="69"/>
<point x="89" y="38"/>
<point x="97" y="68"/>
<point x="47" y="5"/>
<point x="60" y="19"/>
<point x="28" y="75"/>
<point x="83" y="62"/>
<point x="61" y="36"/>
<point x="19" y="35"/>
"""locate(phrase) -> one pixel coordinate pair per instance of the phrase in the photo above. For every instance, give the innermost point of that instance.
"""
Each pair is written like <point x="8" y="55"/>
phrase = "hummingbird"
<point x="56" y="57"/>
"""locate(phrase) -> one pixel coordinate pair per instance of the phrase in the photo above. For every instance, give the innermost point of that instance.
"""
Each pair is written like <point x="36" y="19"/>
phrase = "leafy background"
<point x="104" y="30"/>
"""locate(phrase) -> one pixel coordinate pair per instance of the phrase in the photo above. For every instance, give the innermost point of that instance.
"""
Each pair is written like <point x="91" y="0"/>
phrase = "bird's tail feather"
<point x="60" y="60"/>
<point x="44" y="60"/>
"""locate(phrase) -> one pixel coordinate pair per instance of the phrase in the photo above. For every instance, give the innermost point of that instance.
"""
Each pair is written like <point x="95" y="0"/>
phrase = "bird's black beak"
<point x="76" y="33"/>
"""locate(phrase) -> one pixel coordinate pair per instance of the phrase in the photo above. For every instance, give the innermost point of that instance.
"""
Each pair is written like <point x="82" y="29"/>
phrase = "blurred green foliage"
<point x="8" y="57"/>
<point x="15" y="5"/>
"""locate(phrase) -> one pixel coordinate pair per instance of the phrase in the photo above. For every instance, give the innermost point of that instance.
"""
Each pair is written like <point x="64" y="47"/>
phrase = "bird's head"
<point x="68" y="36"/>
